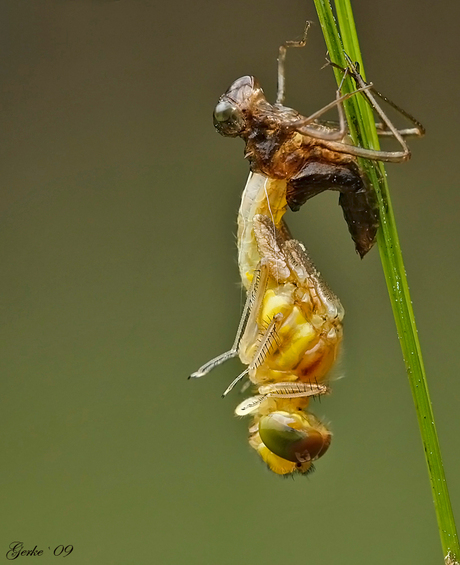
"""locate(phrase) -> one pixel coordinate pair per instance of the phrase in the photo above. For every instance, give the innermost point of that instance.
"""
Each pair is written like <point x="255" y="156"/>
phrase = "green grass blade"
<point x="363" y="133"/>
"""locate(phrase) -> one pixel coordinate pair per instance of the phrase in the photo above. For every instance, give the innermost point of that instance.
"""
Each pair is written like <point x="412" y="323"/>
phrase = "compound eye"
<point x="228" y="119"/>
<point x="224" y="111"/>
<point x="291" y="437"/>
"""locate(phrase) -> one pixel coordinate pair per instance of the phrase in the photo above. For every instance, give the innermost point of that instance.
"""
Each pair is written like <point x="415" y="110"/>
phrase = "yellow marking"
<point x="274" y="303"/>
<point x="295" y="331"/>
<point x="302" y="337"/>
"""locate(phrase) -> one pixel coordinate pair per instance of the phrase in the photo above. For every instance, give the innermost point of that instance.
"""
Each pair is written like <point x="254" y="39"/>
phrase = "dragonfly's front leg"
<point x="251" y="308"/>
<point x="265" y="343"/>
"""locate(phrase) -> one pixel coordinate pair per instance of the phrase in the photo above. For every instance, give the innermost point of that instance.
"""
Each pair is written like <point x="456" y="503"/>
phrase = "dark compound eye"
<point x="224" y="111"/>
<point x="289" y="436"/>
<point x="228" y="119"/>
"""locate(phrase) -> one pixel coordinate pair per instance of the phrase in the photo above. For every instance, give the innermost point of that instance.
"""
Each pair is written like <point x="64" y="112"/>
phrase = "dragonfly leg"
<point x="387" y="130"/>
<point x="382" y="130"/>
<point x="280" y="390"/>
<point x="253" y="301"/>
<point x="293" y="390"/>
<point x="302" y="125"/>
<point x="281" y="93"/>
<point x="417" y="130"/>
<point x="266" y="342"/>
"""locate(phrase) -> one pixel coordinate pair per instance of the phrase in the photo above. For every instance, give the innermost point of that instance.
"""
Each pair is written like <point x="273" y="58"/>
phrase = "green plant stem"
<point x="363" y="133"/>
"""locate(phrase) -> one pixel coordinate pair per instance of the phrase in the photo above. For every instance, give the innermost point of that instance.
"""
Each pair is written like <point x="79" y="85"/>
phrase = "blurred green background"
<point x="119" y="278"/>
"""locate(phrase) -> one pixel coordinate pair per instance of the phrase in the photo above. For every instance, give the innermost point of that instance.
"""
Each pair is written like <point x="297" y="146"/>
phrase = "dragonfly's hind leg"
<point x="293" y="390"/>
<point x="251" y="307"/>
<point x="280" y="390"/>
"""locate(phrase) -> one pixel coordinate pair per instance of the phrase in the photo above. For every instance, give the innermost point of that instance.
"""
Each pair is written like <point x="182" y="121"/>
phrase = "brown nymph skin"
<point x="277" y="149"/>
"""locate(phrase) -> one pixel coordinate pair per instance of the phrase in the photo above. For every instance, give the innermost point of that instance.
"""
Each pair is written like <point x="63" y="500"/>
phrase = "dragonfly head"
<point x="298" y="438"/>
<point x="234" y="107"/>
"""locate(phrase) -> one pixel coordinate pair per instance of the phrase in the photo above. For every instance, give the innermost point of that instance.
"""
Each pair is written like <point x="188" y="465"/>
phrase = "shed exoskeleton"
<point x="309" y="154"/>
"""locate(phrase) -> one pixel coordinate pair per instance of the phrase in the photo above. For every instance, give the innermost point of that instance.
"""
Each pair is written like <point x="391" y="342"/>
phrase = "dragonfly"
<point x="290" y="330"/>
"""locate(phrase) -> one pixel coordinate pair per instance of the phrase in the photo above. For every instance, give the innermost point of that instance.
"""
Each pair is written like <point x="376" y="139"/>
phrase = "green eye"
<point x="291" y="437"/>
<point x="225" y="111"/>
<point x="228" y="118"/>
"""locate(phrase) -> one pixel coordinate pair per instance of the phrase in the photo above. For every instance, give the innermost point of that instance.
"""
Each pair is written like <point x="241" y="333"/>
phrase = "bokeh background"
<point x="119" y="277"/>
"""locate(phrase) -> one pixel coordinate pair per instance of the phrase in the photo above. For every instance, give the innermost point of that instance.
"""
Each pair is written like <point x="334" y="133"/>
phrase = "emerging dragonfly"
<point x="291" y="326"/>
